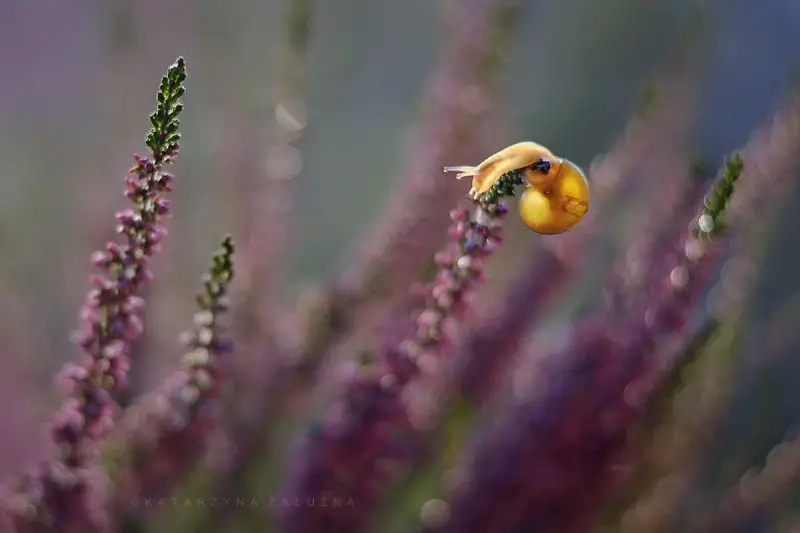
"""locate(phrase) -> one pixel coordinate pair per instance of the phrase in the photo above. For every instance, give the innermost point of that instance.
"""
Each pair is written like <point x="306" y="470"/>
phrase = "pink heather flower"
<point x="110" y="322"/>
<point x="542" y="466"/>
<point x="166" y="433"/>
<point x="396" y="251"/>
<point x="772" y="156"/>
<point x="550" y="463"/>
<point x="366" y="436"/>
<point x="654" y="138"/>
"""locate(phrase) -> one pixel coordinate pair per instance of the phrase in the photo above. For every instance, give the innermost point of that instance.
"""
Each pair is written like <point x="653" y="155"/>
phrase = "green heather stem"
<point x="710" y="219"/>
<point x="504" y="186"/>
<point x="164" y="136"/>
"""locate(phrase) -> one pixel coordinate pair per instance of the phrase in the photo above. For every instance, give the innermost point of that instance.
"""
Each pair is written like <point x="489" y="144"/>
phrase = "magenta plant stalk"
<point x="59" y="491"/>
<point x="167" y="432"/>
<point x="367" y="435"/>
<point x="485" y="350"/>
<point x="532" y="468"/>
<point x="535" y="469"/>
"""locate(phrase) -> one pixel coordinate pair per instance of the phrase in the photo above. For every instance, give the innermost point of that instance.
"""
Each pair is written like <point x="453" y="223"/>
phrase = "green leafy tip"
<point x="222" y="269"/>
<point x="163" y="137"/>
<point x="219" y="276"/>
<point x="709" y="221"/>
<point x="503" y="187"/>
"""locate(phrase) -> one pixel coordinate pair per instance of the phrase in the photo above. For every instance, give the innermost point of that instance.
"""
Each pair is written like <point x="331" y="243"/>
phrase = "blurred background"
<point x="77" y="85"/>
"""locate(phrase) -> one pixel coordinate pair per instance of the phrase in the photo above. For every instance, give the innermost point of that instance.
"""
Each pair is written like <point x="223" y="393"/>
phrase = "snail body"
<point x="556" y="194"/>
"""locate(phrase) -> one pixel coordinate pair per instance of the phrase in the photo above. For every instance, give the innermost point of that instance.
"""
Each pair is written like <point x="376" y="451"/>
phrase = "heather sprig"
<point x="392" y="255"/>
<point x="694" y="417"/>
<point x="589" y="398"/>
<point x="111" y="321"/>
<point x="372" y="433"/>
<point x="486" y="349"/>
<point x="111" y="315"/>
<point x="709" y="221"/>
<point x="460" y="266"/>
<point x="368" y="431"/>
<point x="457" y="105"/>
<point x="700" y="414"/>
<point x="650" y="149"/>
<point x="166" y="432"/>
<point x="645" y="265"/>
<point x="535" y="463"/>
<point x="250" y="427"/>
<point x="164" y="137"/>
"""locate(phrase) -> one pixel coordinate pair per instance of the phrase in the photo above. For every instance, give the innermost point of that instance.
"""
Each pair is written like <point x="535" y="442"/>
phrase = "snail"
<point x="556" y="193"/>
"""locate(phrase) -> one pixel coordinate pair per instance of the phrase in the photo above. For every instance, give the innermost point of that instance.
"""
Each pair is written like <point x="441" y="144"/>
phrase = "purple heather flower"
<point x="370" y="433"/>
<point x="414" y="214"/>
<point x="677" y="446"/>
<point x="166" y="432"/>
<point x="487" y="348"/>
<point x="549" y="464"/>
<point x="535" y="467"/>
<point x="457" y="99"/>
<point x="773" y="152"/>
<point x="110" y="323"/>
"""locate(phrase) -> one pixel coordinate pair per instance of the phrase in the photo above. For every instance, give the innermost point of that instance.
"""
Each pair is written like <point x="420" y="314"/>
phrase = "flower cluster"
<point x="588" y="396"/>
<point x="111" y="317"/>
<point x="533" y="469"/>
<point x="58" y="492"/>
<point x="167" y="431"/>
<point x="371" y="430"/>
<point x="486" y="348"/>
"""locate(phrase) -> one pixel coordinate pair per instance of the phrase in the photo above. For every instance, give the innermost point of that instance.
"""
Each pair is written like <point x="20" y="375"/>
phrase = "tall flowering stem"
<point x="250" y="428"/>
<point x="492" y="341"/>
<point x="710" y="221"/>
<point x="457" y="105"/>
<point x="532" y="471"/>
<point x="354" y="454"/>
<point x="165" y="434"/>
<point x="487" y="349"/>
<point x="459" y="267"/>
<point x="111" y="322"/>
<point x="668" y="462"/>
